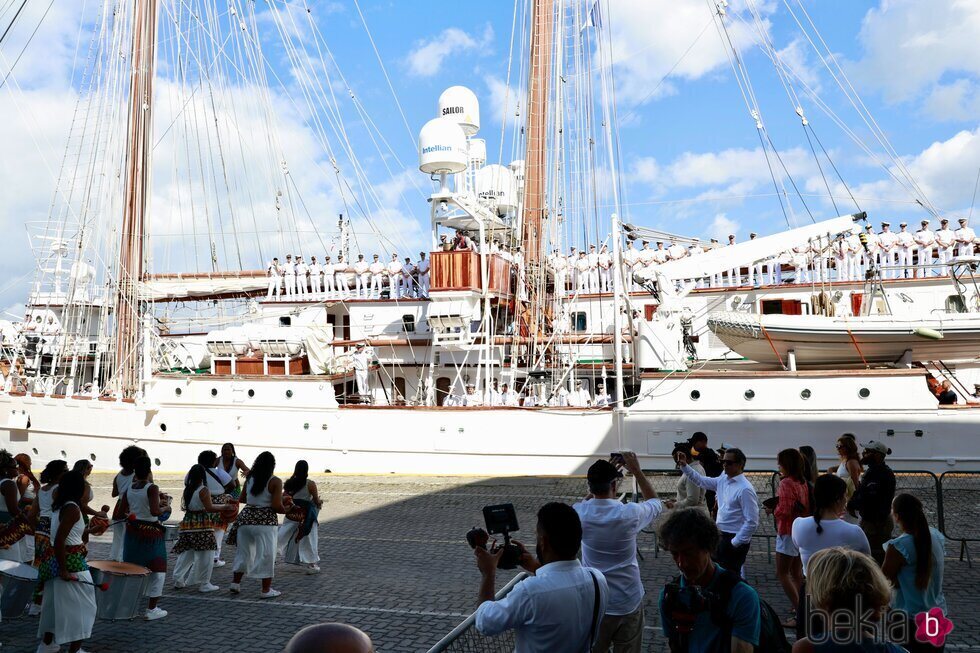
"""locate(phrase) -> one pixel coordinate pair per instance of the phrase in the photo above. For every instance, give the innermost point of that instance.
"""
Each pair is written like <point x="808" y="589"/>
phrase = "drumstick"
<point x="102" y="586"/>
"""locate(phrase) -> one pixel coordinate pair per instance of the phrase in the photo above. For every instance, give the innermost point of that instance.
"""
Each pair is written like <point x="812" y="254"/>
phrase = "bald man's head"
<point x="330" y="638"/>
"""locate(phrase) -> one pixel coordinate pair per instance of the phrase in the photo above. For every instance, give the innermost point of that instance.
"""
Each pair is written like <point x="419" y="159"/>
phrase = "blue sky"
<point x="690" y="151"/>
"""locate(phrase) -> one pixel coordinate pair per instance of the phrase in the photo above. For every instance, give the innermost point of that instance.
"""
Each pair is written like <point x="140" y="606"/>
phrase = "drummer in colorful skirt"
<point x="50" y="476"/>
<point x="145" y="543"/>
<point x="221" y="486"/>
<point x="196" y="542"/>
<point x="14" y="523"/>
<point x="68" y="610"/>
<point x="121" y="483"/>
<point x="254" y="531"/>
<point x="298" y="535"/>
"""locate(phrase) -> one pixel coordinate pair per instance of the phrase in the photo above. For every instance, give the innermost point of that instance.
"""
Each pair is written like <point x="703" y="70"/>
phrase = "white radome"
<point x="442" y="147"/>
<point x="496" y="184"/>
<point x="478" y="153"/>
<point x="459" y="104"/>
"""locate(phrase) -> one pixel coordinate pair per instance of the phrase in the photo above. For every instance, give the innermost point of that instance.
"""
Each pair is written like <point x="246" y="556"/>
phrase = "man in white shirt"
<point x="493" y="395"/>
<point x="580" y="397"/>
<point x="660" y="255"/>
<point x="471" y="398"/>
<point x="842" y="253"/>
<point x="561" y="606"/>
<point x="362" y="366"/>
<point x="377" y="269"/>
<point x="582" y="274"/>
<point x="572" y="260"/>
<point x="905" y="247"/>
<point x="645" y="254"/>
<point x="315" y="270"/>
<point x="605" y="269"/>
<point x="945" y="241"/>
<point x="508" y="397"/>
<point x="854" y="257"/>
<point x="602" y="398"/>
<point x="609" y="531"/>
<point x="327" y="271"/>
<point x="738" y="507"/>
<point x="362" y="277"/>
<point x="408" y="278"/>
<point x="423" y="269"/>
<point x="926" y="241"/>
<point x="274" y="272"/>
<point x="394" y="277"/>
<point x="559" y="268"/>
<point x="593" y="258"/>
<point x="340" y="270"/>
<point x="630" y="259"/>
<point x="302" y="277"/>
<point x="888" y="251"/>
<point x="801" y="261"/>
<point x="289" y="276"/>
<point x="965" y="238"/>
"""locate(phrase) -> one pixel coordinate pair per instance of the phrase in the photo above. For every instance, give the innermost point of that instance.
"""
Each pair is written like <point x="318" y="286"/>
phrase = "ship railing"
<point x="465" y="638"/>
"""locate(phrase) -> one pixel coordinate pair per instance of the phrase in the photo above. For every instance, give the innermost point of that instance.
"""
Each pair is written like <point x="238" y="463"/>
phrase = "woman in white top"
<point x="849" y="469"/>
<point x="196" y="543"/>
<point x="299" y="534"/>
<point x="12" y="522"/>
<point x="121" y="483"/>
<point x="41" y="514"/>
<point x="254" y="532"/>
<point x="68" y="610"/>
<point x="232" y="466"/>
<point x="144" y="543"/>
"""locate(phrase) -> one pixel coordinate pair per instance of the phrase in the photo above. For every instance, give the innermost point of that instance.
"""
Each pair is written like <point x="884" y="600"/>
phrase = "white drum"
<point x="127" y="585"/>
<point x="18" y="582"/>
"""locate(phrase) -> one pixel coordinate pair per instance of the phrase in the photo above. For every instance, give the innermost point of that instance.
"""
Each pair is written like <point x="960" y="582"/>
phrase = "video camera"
<point x="500" y="520"/>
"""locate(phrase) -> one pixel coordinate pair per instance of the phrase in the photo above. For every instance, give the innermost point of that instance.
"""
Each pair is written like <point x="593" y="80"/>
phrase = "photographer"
<point x="559" y="608"/>
<point x="609" y="530"/>
<point x="705" y="603"/>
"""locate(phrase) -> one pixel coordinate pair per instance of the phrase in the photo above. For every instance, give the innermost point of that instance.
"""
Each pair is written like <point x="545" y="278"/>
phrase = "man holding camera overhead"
<point x="609" y="530"/>
<point x="557" y="609"/>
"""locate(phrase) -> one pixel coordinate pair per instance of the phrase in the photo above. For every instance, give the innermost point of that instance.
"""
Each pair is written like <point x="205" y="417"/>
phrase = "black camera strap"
<point x="595" y="612"/>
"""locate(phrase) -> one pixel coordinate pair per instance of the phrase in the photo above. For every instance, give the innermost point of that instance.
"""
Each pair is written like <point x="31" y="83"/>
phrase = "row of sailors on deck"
<point x="504" y="396"/>
<point x="298" y="280"/>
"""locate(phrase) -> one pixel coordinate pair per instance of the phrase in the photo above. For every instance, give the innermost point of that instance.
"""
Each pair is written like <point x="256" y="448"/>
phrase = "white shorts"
<point x="784" y="545"/>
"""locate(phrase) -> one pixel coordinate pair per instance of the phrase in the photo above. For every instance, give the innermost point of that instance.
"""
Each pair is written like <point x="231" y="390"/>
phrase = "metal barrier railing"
<point x="465" y="638"/>
<point x="960" y="492"/>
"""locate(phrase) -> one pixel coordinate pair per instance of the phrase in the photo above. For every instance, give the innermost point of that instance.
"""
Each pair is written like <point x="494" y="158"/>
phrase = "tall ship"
<point x="537" y="328"/>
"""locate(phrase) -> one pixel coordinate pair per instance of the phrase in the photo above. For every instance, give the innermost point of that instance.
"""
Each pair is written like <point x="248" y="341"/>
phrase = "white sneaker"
<point x="220" y="563"/>
<point x="208" y="587"/>
<point x="48" y="648"/>
<point x="271" y="594"/>
<point x="179" y="585"/>
<point x="34" y="611"/>
<point x="235" y="588"/>
<point x="155" y="613"/>
<point x="313" y="569"/>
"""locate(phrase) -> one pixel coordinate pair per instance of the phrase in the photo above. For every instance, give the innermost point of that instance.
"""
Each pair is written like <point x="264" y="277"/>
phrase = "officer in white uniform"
<point x="801" y="261"/>
<point x="888" y="245"/>
<point x="327" y="270"/>
<point x="735" y="274"/>
<point x="842" y="252"/>
<point x="906" y="244"/>
<point x="289" y="276"/>
<point x="869" y="254"/>
<point x="394" y="277"/>
<point x="362" y="366"/>
<point x="593" y="258"/>
<point x="580" y="397"/>
<point x="423" y="269"/>
<point x="493" y="397"/>
<point x="965" y="239"/>
<point x="508" y="397"/>
<point x="945" y="241"/>
<point x="605" y="268"/>
<point x="362" y="277"/>
<point x="377" y="269"/>
<point x="572" y="259"/>
<point x="582" y="273"/>
<point x="471" y="398"/>
<point x="340" y="269"/>
<point x="926" y="240"/>
<point x="315" y="272"/>
<point x="854" y="257"/>
<point x="408" y="280"/>
<point x="630" y="258"/>
<point x="559" y="268"/>
<point x="646" y="254"/>
<point x="302" y="272"/>
<point x="274" y="273"/>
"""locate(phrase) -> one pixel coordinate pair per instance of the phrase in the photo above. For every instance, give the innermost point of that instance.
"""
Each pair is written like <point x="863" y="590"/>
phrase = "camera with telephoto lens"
<point x="500" y="520"/>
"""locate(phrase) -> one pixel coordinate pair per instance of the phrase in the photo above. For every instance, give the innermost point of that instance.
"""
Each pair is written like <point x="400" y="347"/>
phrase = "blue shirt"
<point x="743" y="611"/>
<point x="909" y="597"/>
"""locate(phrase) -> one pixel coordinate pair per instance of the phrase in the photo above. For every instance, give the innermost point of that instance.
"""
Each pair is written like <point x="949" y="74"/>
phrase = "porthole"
<point x="214" y="392"/>
<point x="35" y="451"/>
<point x="805" y="393"/>
<point x="289" y="394"/>
<point x="864" y="393"/>
<point x="251" y="393"/>
<point x="92" y="457"/>
<point x="64" y="454"/>
<point x="306" y="426"/>
<point x="178" y="392"/>
<point x="156" y="461"/>
<point x="749" y="395"/>
<point x="695" y="395"/>
<point x="163" y="427"/>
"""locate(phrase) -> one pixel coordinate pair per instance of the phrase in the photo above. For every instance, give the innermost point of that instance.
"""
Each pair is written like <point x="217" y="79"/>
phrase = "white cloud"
<point x="426" y="59"/>
<point x="722" y="226"/>
<point x="958" y="100"/>
<point x="503" y="101"/>
<point x="795" y="57"/>
<point x="910" y="46"/>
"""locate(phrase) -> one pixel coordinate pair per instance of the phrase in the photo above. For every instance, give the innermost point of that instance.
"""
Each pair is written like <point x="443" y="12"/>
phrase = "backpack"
<point x="772" y="639"/>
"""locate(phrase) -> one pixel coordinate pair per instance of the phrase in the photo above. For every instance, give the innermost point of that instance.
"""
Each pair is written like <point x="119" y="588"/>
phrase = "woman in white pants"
<point x="298" y="536"/>
<point x="196" y="543"/>
<point x="120" y="484"/>
<point x="254" y="532"/>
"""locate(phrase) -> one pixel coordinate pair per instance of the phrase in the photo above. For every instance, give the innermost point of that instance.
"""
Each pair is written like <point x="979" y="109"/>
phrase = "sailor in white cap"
<point x="926" y="240"/>
<point x="842" y="253"/>
<point x="423" y="270"/>
<point x="274" y="272"/>
<point x="572" y="260"/>
<point x="580" y="397"/>
<point x="472" y="398"/>
<point x="631" y="256"/>
<point x="869" y="255"/>
<point x="340" y="270"/>
<point x="906" y="243"/>
<point x="801" y="261"/>
<point x="965" y="239"/>
<point x="559" y="268"/>
<point x="696" y="250"/>
<point x="593" y="258"/>
<point x="289" y="276"/>
<point x="582" y="273"/>
<point x="362" y="277"/>
<point x="394" y="277"/>
<point x="302" y="272"/>
<point x="945" y="241"/>
<point x="888" y="256"/>
<point x="377" y="269"/>
<point x="327" y="270"/>
<point x="605" y="267"/>
<point x="409" y="274"/>
<point x="362" y="365"/>
<point x="315" y="271"/>
<point x="854" y="257"/>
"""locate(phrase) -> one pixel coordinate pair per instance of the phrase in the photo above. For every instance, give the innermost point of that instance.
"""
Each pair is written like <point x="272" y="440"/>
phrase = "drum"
<point x="171" y="532"/>
<point x="127" y="584"/>
<point x="17" y="581"/>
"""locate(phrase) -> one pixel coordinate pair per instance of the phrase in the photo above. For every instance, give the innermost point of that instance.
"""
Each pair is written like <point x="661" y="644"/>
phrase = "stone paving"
<point x="396" y="564"/>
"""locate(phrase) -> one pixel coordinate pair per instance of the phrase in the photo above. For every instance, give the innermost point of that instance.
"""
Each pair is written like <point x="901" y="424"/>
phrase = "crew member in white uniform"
<point x="559" y="267"/>
<point x="315" y="272"/>
<point x="394" y="270"/>
<point x="602" y="398"/>
<point x="605" y="270"/>
<point x="302" y="272"/>
<point x="593" y="258"/>
<point x="646" y="254"/>
<point x="854" y="257"/>
<point x="945" y="241"/>
<point x="339" y="277"/>
<point x="289" y="276"/>
<point x="735" y="274"/>
<point x="362" y="277"/>
<point x="408" y="278"/>
<point x="274" y="272"/>
<point x="328" y="268"/>
<point x="572" y="260"/>
<point x="471" y="398"/>
<point x="869" y="254"/>
<point x="965" y="239"/>
<point x="362" y="366"/>
<point x="842" y="252"/>
<point x="926" y="241"/>
<point x="508" y="397"/>
<point x="905" y="244"/>
<point x="630" y="258"/>
<point x="888" y="250"/>
<point x="423" y="268"/>
<point x="801" y="261"/>
<point x="580" y="397"/>
<point x="582" y="273"/>
<point x="377" y="269"/>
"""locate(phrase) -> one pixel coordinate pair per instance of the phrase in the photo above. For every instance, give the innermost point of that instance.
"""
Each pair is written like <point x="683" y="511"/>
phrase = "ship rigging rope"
<point x="13" y="20"/>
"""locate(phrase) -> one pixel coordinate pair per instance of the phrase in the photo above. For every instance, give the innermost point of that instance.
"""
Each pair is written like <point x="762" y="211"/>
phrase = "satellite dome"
<point x="478" y="153"/>
<point x="459" y="104"/>
<point x="442" y="147"/>
<point x="495" y="184"/>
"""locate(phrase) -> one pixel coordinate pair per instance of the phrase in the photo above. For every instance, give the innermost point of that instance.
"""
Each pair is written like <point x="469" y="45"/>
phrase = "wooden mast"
<point x="137" y="191"/>
<point x="535" y="160"/>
